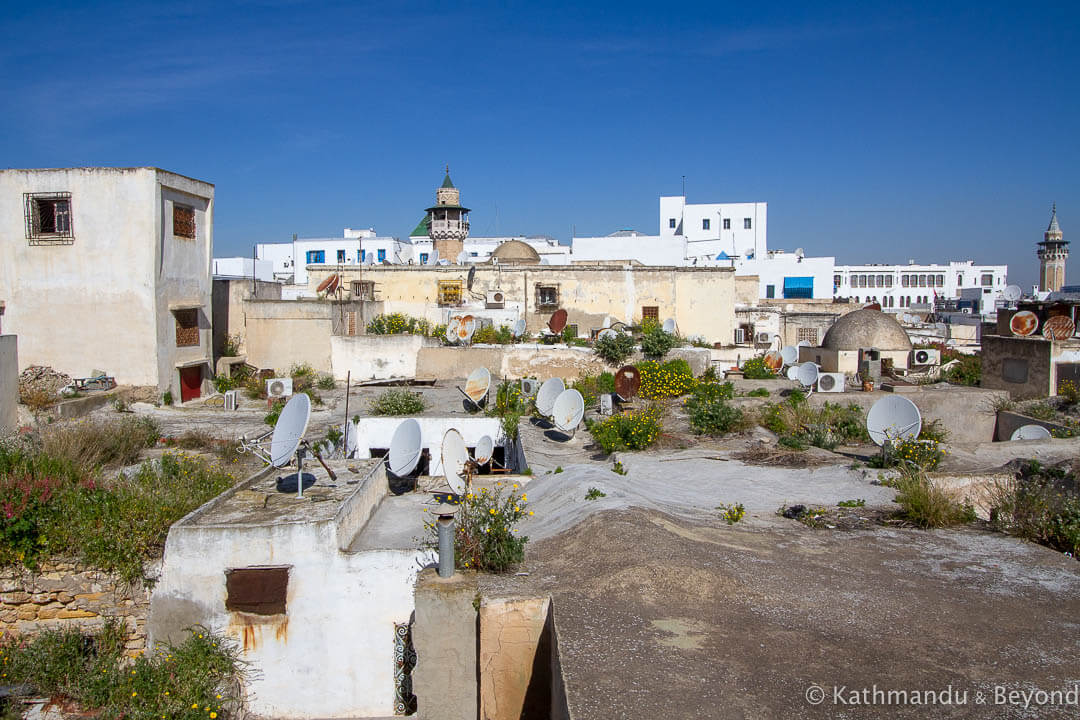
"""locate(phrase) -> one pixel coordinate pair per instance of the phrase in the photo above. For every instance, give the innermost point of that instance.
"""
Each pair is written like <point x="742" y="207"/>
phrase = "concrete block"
<point x="445" y="637"/>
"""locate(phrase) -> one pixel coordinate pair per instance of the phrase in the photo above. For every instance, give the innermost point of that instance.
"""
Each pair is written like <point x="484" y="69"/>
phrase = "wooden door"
<point x="190" y="383"/>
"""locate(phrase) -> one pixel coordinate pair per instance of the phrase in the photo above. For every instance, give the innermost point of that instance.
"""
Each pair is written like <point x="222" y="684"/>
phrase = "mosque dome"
<point x="866" y="329"/>
<point x="517" y="253"/>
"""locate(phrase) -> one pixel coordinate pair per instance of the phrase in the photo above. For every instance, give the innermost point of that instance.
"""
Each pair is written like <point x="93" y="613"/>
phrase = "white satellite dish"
<point x="1012" y="293"/>
<point x="405" y="448"/>
<point x="519" y="328"/>
<point x="893" y="418"/>
<point x="454" y="457"/>
<point x="803" y="343"/>
<point x="807" y="374"/>
<point x="793" y="373"/>
<point x="606" y="333"/>
<point x="466" y="329"/>
<point x="669" y="325"/>
<point x="462" y="257"/>
<point x="607" y="322"/>
<point x="485" y="448"/>
<point x="800" y="253"/>
<point x="433" y="258"/>
<point x="477" y="385"/>
<point x="1031" y="432"/>
<point x="289" y="430"/>
<point x="548" y="393"/>
<point x="789" y="354"/>
<point x="568" y="410"/>
<point x="452" y="326"/>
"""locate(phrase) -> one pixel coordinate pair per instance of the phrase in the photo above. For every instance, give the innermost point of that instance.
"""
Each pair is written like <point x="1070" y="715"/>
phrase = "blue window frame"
<point x="363" y="256"/>
<point x="341" y="256"/>
<point x="316" y="257"/>
<point x="799" y="287"/>
<point x="359" y="256"/>
<point x="423" y="258"/>
<point x="382" y="255"/>
<point x="770" y="291"/>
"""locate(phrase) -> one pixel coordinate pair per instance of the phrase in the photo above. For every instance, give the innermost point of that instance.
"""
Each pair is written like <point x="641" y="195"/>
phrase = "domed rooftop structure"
<point x="866" y="329"/>
<point x="515" y="252"/>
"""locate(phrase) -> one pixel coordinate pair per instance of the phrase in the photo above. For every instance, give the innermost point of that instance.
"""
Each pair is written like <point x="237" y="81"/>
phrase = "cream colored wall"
<point x="283" y="332"/>
<point x="746" y="289"/>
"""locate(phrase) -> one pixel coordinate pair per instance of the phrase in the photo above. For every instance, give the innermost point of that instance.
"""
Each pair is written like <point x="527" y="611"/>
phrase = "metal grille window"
<point x="48" y="218"/>
<point x="449" y="292"/>
<point x="363" y="289"/>
<point x="650" y="312"/>
<point x="183" y="221"/>
<point x="187" y="327"/>
<point x="807" y="334"/>
<point x="547" y="297"/>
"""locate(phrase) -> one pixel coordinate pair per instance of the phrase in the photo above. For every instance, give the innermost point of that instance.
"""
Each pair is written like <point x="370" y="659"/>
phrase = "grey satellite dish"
<point x="485" y="448"/>
<point x="607" y="322"/>
<point x="793" y="373"/>
<point x="519" y="328"/>
<point x="669" y="325"/>
<point x="470" y="278"/>
<point x="454" y="457"/>
<point x="807" y="374"/>
<point x="462" y="257"/>
<point x="547" y="394"/>
<point x="289" y="430"/>
<point x="444" y="261"/>
<point x="803" y="343"/>
<point x="941" y="327"/>
<point x="1012" y="293"/>
<point x="568" y="410"/>
<point x="789" y="354"/>
<point x="893" y="418"/>
<point x="606" y="333"/>
<point x="405" y="448"/>
<point x="1030" y="432"/>
<point x="433" y="258"/>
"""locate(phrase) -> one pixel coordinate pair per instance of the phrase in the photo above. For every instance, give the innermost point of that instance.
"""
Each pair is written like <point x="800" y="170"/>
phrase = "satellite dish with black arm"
<point x="567" y="411"/>
<point x="470" y="278"/>
<point x="1030" y="432"/>
<point x="455" y="458"/>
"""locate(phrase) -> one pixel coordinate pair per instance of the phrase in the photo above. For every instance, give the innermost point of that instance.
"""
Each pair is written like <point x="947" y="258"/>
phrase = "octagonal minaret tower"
<point x="1053" y="252"/>
<point x="448" y="221"/>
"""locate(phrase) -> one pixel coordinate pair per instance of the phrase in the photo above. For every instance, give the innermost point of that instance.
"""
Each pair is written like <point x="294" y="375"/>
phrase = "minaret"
<point x="448" y="221"/>
<point x="1053" y="252"/>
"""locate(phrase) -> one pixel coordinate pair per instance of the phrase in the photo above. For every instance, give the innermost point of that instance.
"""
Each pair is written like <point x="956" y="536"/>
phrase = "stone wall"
<point x="61" y="594"/>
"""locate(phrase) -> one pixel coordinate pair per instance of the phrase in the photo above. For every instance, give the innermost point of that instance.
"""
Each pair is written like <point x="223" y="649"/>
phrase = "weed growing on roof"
<point x="326" y="382"/>
<point x="398" y="324"/>
<point x="595" y="494"/>
<point x="801" y="425"/>
<point x="851" y="503"/>
<point x="510" y="404"/>
<point x="732" y="513"/>
<point x="618" y="468"/>
<point x="710" y="413"/>
<point x="397" y="401"/>
<point x="758" y="392"/>
<point x="592" y="387"/>
<point x="912" y="453"/>
<point x="629" y="431"/>
<point x="1041" y="504"/>
<point x="663" y="380"/>
<point x="614" y="350"/>
<point x="657" y="342"/>
<point x="756" y="369"/>
<point x="485" y="538"/>
<point x="927" y="505"/>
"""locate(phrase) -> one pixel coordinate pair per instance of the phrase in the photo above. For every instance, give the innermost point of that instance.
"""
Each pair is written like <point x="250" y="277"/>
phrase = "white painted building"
<point x="736" y="230"/>
<point x="914" y="285"/>
<point x="280" y="255"/>
<point x="789" y="275"/>
<point x="244" y="267"/>
<point x="352" y="248"/>
<point x="109" y="269"/>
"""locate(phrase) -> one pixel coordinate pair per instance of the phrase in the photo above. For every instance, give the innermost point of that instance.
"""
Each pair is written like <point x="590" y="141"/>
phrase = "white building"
<point x="712" y="230"/>
<point x="290" y="260"/>
<point x="921" y="286"/>
<point x="244" y="267"/>
<point x="109" y="269"/>
<point x="479" y="249"/>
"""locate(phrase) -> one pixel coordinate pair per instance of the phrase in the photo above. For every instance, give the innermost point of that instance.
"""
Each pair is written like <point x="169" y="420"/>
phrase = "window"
<point x="922" y="281"/>
<point x="260" y="591"/>
<point x="183" y="221"/>
<point x="382" y="255"/>
<point x="959" y="280"/>
<point x="705" y="223"/>
<point x="671" y="223"/>
<point x="423" y="258"/>
<point x="547" y="297"/>
<point x="987" y="280"/>
<point x="807" y="334"/>
<point x="746" y="223"/>
<point x="341" y="256"/>
<point x="316" y="257"/>
<point x="650" y="312"/>
<point x="905" y="280"/>
<point x="881" y="281"/>
<point x="363" y="255"/>
<point x="363" y="290"/>
<point x="888" y="281"/>
<point x="187" y="327"/>
<point x="836" y="280"/>
<point x="799" y="287"/>
<point x="862" y="281"/>
<point x="770" y="291"/>
<point x="941" y="281"/>
<point x="48" y="218"/>
<point x="449" y="292"/>
<point x="727" y="223"/>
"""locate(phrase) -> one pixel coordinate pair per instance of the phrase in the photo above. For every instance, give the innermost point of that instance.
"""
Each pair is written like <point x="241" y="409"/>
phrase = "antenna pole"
<point x="300" y="473"/>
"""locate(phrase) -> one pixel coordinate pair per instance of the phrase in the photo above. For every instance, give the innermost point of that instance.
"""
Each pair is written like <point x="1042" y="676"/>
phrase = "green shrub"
<point x="190" y="681"/>
<point x="167" y="398"/>
<point x="276" y="407"/>
<point x="492" y="335"/>
<point x="758" y="392"/>
<point x="224" y="383"/>
<point x="662" y="380"/>
<point x="486" y="539"/>
<point x="710" y="413"/>
<point x="656" y="342"/>
<point x="801" y="425"/>
<point x="231" y="346"/>
<point x="925" y="504"/>
<point x="1040" y="410"/>
<point x="629" y="431"/>
<point x="732" y="513"/>
<point x="510" y="404"/>
<point x="756" y="369"/>
<point x="918" y="454"/>
<point x="1041" y="505"/>
<point x="592" y="387"/>
<point x="398" y="324"/>
<point x="397" y="401"/>
<point x="594" y="494"/>
<point x="326" y="382"/>
<point x="966" y="371"/>
<point x="1069" y="392"/>
<point x="614" y="350"/>
<point x="934" y="430"/>
<point x="93" y="444"/>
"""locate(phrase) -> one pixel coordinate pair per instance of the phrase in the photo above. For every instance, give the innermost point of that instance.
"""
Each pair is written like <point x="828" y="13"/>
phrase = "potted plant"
<point x="867" y="382"/>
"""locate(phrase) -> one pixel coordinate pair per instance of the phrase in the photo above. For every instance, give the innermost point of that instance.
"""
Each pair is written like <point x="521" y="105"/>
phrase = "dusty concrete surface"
<point x="658" y="616"/>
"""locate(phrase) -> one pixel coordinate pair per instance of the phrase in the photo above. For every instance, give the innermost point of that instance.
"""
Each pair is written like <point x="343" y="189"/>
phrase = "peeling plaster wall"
<point x="376" y="357"/>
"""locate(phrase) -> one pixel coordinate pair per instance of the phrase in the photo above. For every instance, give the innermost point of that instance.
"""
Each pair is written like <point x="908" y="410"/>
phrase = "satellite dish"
<point x="1031" y="432"/>
<point x="773" y="360"/>
<point x="557" y="323"/>
<point x="519" y="328"/>
<point x="289" y="430"/>
<point x="405" y="448"/>
<point x="627" y="382"/>
<point x="893" y="418"/>
<point x="1012" y="293"/>
<point x="433" y="258"/>
<point x="477" y="385"/>
<point x="470" y="278"/>
<point x="1024" y="323"/>
<point x="606" y="333"/>
<point x="568" y="410"/>
<point x="803" y="343"/>
<point x="485" y="448"/>
<point x="546" y="396"/>
<point x="793" y="373"/>
<point x="1058" y="327"/>
<point x="452" y="326"/>
<point x="454" y="457"/>
<point x="789" y="354"/>
<point x="872" y="306"/>
<point x="466" y="328"/>
<point x="607" y="322"/>
<point x="800" y="253"/>
<point x="462" y="257"/>
<point x="669" y="325"/>
<point x="807" y="374"/>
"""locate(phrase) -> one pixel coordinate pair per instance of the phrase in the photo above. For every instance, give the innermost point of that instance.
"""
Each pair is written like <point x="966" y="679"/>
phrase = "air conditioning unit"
<point x="529" y="387"/>
<point x="925" y="357"/>
<point x="495" y="299"/>
<point x="740" y="336"/>
<point x="966" y="311"/>
<point x="832" y="382"/>
<point x="231" y="397"/>
<point x="764" y="337"/>
<point x="279" y="387"/>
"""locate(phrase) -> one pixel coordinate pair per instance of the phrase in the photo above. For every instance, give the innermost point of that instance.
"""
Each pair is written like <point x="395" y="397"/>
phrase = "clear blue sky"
<point x="934" y="132"/>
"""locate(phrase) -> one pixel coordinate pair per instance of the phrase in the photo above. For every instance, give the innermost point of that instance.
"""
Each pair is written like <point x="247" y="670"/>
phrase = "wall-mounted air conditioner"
<point x="494" y="299"/>
<point x="764" y="337"/>
<point x="831" y="382"/>
<point x="279" y="387"/>
<point x="925" y="357"/>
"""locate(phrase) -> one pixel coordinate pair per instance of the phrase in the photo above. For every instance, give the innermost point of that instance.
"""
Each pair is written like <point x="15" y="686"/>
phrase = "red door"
<point x="190" y="383"/>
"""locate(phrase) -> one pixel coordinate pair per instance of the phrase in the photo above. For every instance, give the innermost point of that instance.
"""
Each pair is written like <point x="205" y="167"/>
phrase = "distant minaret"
<point x="448" y="221"/>
<point x="1053" y="252"/>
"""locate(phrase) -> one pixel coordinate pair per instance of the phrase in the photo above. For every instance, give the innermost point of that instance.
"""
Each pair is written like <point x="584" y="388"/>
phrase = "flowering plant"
<point x="485" y="538"/>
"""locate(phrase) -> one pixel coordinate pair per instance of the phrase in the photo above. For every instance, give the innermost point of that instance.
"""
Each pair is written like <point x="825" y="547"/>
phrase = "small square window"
<point x="316" y="257"/>
<point x="450" y="292"/>
<point x="187" y="327"/>
<point x="987" y="280"/>
<point x="746" y="223"/>
<point x="363" y="290"/>
<point x="704" y="223"/>
<point x="650" y="312"/>
<point x="671" y="223"/>
<point x="183" y="221"/>
<point x="48" y="218"/>
<point x="547" y="297"/>
<point x="770" y="291"/>
<point x="727" y="223"/>
<point x="382" y="256"/>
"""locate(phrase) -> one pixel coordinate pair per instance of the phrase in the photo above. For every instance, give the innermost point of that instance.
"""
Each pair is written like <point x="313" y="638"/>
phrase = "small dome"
<point x="516" y="252"/>
<point x="866" y="329"/>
